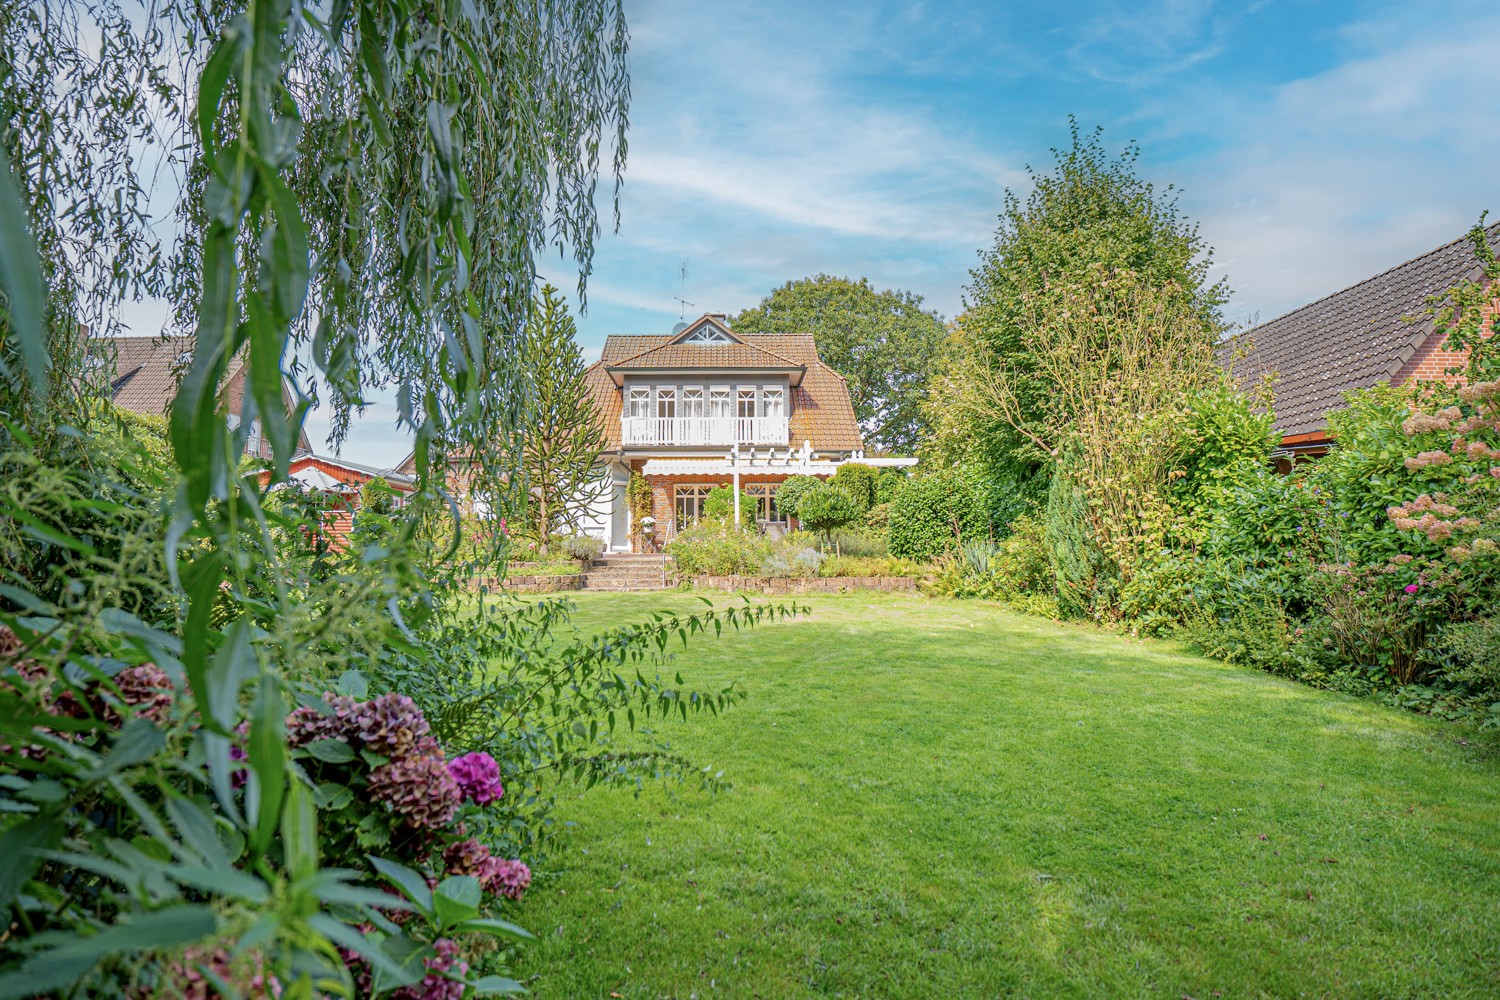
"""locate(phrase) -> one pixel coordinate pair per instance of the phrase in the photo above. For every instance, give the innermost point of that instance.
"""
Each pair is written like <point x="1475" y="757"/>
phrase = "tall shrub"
<point x="933" y="514"/>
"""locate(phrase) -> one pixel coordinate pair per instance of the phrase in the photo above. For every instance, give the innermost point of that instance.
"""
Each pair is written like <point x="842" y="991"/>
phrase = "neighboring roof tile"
<point x="1352" y="339"/>
<point x="147" y="370"/>
<point x="607" y="398"/>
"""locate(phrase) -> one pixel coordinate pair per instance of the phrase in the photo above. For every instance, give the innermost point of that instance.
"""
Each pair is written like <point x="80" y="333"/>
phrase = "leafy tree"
<point x="790" y="493"/>
<point x="826" y="507"/>
<point x="719" y="505"/>
<point x="1091" y="213"/>
<point x="882" y="342"/>
<point x="561" y="457"/>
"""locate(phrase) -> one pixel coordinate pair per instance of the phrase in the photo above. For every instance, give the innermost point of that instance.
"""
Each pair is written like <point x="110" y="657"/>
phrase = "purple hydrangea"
<point x="391" y="725"/>
<point x="418" y="788"/>
<point x="498" y="875"/>
<point x="147" y="689"/>
<point x="466" y="857"/>
<point x="436" y="985"/>
<point x="478" y="776"/>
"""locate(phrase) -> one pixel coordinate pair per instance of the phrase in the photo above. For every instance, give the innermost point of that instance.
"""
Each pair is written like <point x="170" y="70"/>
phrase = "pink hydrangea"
<point x="507" y="878"/>
<point x="1412" y="588"/>
<point x="499" y="876"/>
<point x="418" y="788"/>
<point x="478" y="777"/>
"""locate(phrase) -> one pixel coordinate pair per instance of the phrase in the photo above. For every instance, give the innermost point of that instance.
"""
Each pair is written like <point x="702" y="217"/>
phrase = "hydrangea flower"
<point x="391" y="725"/>
<point x="147" y="689"/>
<point x="507" y="878"/>
<point x="436" y="985"/>
<point x="478" y="777"/>
<point x="418" y="788"/>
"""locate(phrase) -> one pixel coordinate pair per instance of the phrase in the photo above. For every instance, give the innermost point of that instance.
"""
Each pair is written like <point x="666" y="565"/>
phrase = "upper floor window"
<point x="745" y="406"/>
<point x="692" y="401"/>
<point x="666" y="403"/>
<point x="771" y="402"/>
<point x="640" y="401"/>
<point x="718" y="401"/>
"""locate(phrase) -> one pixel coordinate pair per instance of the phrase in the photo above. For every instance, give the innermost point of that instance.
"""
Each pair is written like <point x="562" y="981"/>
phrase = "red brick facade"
<point x="664" y="493"/>
<point x="1431" y="361"/>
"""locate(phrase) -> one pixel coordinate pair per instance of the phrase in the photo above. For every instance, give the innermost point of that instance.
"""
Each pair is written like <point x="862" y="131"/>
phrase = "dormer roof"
<point x="706" y="344"/>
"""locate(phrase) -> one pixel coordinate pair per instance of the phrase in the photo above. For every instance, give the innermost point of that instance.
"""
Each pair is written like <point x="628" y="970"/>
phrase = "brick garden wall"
<point x="805" y="585"/>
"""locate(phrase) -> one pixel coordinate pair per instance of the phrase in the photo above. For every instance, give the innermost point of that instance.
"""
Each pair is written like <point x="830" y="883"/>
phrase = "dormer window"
<point x="707" y="334"/>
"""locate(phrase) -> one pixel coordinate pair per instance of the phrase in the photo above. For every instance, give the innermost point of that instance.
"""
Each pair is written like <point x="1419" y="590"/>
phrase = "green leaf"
<point x="267" y="760"/>
<point x="493" y="986"/>
<point x="414" y="886"/>
<point x="21" y="280"/>
<point x="20" y="846"/>
<point x="332" y="751"/>
<point x="344" y="935"/>
<point x="353" y="684"/>
<point x="495" y="928"/>
<point x="52" y="970"/>
<point x="456" y="899"/>
<point x="137" y="743"/>
<point x="229" y="882"/>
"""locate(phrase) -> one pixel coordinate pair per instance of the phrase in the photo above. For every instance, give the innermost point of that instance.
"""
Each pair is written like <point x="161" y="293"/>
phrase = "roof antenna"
<point x="682" y="302"/>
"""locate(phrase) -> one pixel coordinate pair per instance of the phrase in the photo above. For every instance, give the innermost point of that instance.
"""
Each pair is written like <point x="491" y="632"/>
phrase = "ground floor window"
<point x="689" y="504"/>
<point x="765" y="501"/>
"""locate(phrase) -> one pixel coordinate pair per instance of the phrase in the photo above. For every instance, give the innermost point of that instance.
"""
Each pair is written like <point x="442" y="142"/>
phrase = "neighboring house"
<point x="704" y="406"/>
<point x="341" y="480"/>
<point x="144" y="372"/>
<point x="1375" y="331"/>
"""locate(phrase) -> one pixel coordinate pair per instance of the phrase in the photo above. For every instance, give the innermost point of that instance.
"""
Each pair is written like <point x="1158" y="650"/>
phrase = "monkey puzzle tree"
<point x="561" y="458"/>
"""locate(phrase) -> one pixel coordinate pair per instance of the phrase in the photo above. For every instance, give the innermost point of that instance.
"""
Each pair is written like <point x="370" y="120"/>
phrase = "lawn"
<point x="945" y="799"/>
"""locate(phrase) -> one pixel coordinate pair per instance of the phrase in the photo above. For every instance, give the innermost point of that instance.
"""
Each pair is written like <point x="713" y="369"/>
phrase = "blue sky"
<point x="1316" y="142"/>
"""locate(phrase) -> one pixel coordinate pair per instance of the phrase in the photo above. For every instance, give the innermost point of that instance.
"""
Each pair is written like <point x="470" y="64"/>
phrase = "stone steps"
<point x="623" y="573"/>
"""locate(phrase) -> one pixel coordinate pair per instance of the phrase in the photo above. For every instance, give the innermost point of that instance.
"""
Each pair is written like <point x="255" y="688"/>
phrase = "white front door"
<point x="619" y="519"/>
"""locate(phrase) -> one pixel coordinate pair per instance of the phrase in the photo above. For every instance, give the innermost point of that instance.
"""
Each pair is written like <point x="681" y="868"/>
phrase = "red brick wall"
<point x="1430" y="361"/>
<point x="664" y="494"/>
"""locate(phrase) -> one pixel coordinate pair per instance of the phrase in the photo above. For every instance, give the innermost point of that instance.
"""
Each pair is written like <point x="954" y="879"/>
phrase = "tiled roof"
<point x="1351" y="339"/>
<point x="147" y="370"/>
<point x="719" y="356"/>
<point x="821" y="410"/>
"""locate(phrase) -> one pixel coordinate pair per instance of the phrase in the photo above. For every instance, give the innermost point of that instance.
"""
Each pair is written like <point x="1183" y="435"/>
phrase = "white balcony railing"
<point x="704" y="430"/>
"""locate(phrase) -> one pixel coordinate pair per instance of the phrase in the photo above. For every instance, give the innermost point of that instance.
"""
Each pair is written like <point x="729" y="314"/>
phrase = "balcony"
<point x="725" y="431"/>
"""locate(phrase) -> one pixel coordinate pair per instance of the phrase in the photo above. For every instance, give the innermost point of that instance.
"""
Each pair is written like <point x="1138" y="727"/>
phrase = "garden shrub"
<point x="786" y="561"/>
<point x="860" y="482"/>
<point x="888" y="483"/>
<point x="878" y="518"/>
<point x="847" y="565"/>
<point x="856" y="541"/>
<point x="584" y="548"/>
<point x="933" y="514"/>
<point x="790" y="493"/>
<point x="824" y="508"/>
<point x="718" y="548"/>
<point x="1084" y="579"/>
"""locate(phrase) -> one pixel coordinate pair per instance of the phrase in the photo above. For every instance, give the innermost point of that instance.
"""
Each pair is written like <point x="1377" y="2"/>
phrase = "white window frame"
<point x="721" y="401"/>
<point x="666" y="402"/>
<point x="741" y="398"/>
<point x="772" y="401"/>
<point x="638" y="403"/>
<point x="692" y="401"/>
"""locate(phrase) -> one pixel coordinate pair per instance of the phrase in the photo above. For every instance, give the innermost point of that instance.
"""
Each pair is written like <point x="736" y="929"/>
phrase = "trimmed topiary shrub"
<point x="790" y="493"/>
<point x="860" y="482"/>
<point x="719" y="505"/>
<point x="934" y="514"/>
<point x="825" y="508"/>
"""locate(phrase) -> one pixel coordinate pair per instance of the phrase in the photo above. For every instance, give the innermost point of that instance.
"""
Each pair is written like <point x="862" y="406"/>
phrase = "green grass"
<point x="945" y="799"/>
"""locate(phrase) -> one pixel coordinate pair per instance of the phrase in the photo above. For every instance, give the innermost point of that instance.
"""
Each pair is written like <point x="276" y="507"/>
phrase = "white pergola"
<point x="787" y="461"/>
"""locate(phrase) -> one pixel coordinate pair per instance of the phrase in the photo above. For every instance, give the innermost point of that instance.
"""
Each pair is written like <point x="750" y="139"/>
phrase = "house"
<point x="143" y="374"/>
<point x="704" y="406"/>
<point x="1375" y="331"/>
<point x="341" y="481"/>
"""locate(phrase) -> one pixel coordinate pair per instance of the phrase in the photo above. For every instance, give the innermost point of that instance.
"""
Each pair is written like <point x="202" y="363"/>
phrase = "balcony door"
<point x="693" y="423"/>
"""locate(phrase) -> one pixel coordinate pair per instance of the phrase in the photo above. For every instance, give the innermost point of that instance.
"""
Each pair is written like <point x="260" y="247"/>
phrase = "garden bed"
<point x="804" y="585"/>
